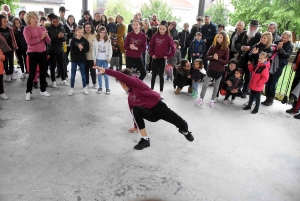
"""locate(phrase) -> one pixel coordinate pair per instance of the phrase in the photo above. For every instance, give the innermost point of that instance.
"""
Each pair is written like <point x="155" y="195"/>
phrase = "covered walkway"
<point x="78" y="148"/>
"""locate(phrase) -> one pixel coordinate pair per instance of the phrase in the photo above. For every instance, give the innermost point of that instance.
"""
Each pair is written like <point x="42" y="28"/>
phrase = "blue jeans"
<point x="104" y="64"/>
<point x="73" y="73"/>
<point x="195" y="86"/>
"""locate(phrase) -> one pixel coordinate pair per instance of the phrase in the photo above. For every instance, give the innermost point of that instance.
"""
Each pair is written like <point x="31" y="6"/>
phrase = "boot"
<point x="270" y="102"/>
<point x="266" y="101"/>
<point x="177" y="90"/>
<point x="190" y="89"/>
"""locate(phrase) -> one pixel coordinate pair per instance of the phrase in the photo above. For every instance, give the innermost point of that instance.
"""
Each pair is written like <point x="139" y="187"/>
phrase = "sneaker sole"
<point x="139" y="148"/>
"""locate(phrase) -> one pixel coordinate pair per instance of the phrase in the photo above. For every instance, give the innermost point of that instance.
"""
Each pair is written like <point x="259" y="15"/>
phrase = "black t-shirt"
<point x="116" y="50"/>
<point x="6" y="34"/>
<point x="76" y="54"/>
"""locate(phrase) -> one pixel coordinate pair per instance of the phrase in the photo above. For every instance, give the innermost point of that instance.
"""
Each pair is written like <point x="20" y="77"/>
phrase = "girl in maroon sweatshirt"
<point x="145" y="103"/>
<point x="135" y="46"/>
<point x="161" y="48"/>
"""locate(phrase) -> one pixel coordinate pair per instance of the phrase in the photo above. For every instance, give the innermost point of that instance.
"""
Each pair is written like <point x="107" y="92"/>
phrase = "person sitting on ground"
<point x="183" y="76"/>
<point x="145" y="103"/>
<point x="234" y="85"/>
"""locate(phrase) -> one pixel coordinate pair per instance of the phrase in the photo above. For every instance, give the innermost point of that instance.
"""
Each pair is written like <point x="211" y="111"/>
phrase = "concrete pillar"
<point x="201" y="7"/>
<point x="84" y="6"/>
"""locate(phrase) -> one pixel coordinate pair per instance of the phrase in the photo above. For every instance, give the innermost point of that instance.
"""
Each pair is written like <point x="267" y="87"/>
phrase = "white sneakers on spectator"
<point x="45" y="93"/>
<point x="161" y="95"/>
<point x="28" y="96"/>
<point x="71" y="92"/>
<point x="13" y="77"/>
<point x="226" y="102"/>
<point x="4" y="96"/>
<point x="53" y="84"/>
<point x="95" y="86"/>
<point x="85" y="91"/>
<point x="64" y="82"/>
<point x="23" y="76"/>
<point x="8" y="78"/>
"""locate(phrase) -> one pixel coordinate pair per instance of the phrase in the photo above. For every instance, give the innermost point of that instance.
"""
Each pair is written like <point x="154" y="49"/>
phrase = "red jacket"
<point x="260" y="75"/>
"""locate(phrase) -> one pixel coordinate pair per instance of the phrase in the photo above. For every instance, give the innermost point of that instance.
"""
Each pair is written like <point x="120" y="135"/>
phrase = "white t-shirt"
<point x="101" y="50"/>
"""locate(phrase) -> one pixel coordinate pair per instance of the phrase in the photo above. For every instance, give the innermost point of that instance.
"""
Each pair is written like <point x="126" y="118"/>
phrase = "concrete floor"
<point x="78" y="148"/>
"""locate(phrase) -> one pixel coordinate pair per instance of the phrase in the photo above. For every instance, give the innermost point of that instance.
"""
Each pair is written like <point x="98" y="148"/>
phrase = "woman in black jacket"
<point x="70" y="27"/>
<point x="264" y="45"/>
<point x="21" y="52"/>
<point x="282" y="51"/>
<point x="55" y="49"/>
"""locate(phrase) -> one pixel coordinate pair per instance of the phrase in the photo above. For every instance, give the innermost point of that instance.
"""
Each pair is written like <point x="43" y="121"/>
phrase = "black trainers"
<point x="290" y="110"/>
<point x="254" y="111"/>
<point x="107" y="91"/>
<point x="99" y="90"/>
<point x="297" y="116"/>
<point x="188" y="136"/>
<point x="247" y="107"/>
<point x="142" y="144"/>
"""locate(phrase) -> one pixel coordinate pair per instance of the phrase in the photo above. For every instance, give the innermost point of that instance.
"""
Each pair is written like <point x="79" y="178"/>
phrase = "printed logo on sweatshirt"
<point x="159" y="41"/>
<point x="134" y="98"/>
<point x="135" y="42"/>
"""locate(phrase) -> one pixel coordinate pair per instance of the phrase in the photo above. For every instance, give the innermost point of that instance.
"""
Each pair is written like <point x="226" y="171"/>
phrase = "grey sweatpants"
<point x="205" y="85"/>
<point x="114" y="62"/>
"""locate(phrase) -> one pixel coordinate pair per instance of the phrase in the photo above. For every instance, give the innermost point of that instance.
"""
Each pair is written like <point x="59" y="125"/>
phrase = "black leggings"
<point x="139" y="65"/>
<point x="9" y="62"/>
<point x="158" y="66"/>
<point x="233" y="95"/>
<point x="57" y="59"/>
<point x="159" y="111"/>
<point x="36" y="58"/>
<point x="21" y="54"/>
<point x="256" y="95"/>
<point x="89" y="67"/>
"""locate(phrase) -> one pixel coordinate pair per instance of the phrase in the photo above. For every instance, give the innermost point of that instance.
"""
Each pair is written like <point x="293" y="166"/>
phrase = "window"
<point x="48" y="10"/>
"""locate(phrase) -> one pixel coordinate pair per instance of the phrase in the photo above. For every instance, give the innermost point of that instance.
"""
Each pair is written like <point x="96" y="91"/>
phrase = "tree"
<point x="283" y="12"/>
<point x="219" y="13"/>
<point x="11" y="4"/>
<point x="119" y="7"/>
<point x="163" y="11"/>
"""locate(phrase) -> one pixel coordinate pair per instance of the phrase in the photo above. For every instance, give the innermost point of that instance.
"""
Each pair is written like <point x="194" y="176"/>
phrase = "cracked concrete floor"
<point x="77" y="148"/>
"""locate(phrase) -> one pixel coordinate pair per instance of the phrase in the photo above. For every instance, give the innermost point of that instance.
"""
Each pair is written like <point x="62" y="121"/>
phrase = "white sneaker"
<point x="8" y="78"/>
<point x="71" y="92"/>
<point x="232" y="101"/>
<point x="95" y="86"/>
<point x="199" y="102"/>
<point x="64" y="82"/>
<point x="53" y="84"/>
<point x="28" y="96"/>
<point x="23" y="76"/>
<point x="4" y="96"/>
<point x="212" y="104"/>
<point x="161" y="95"/>
<point x="216" y="100"/>
<point x="225" y="102"/>
<point x="13" y="77"/>
<point x="85" y="91"/>
<point x="45" y="93"/>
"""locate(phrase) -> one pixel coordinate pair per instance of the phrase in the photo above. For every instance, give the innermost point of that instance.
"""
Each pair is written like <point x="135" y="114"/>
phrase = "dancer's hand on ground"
<point x="133" y="130"/>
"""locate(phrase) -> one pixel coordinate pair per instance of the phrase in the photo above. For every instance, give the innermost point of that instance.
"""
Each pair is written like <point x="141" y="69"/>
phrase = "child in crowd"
<point x="2" y="94"/>
<point x="79" y="47"/>
<point x="161" y="47"/>
<point x="111" y="27"/>
<point x="42" y="21"/>
<point x="135" y="45"/>
<point x="115" y="54"/>
<point x="260" y="75"/>
<point x="197" y="47"/>
<point x="197" y="76"/>
<point x="234" y="85"/>
<point x="145" y="103"/>
<point x="102" y="52"/>
<point x="174" y="61"/>
<point x="229" y="71"/>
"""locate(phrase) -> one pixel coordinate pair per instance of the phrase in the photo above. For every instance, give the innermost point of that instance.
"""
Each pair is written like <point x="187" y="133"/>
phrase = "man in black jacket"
<point x="56" y="32"/>
<point x="244" y="44"/>
<point x="209" y="31"/>
<point x="239" y="28"/>
<point x="184" y="39"/>
<point x="85" y="18"/>
<point x="195" y="28"/>
<point x="272" y="27"/>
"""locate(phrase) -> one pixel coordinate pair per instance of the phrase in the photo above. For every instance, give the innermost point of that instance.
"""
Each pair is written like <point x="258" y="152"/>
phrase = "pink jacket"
<point x="33" y="37"/>
<point x="260" y="75"/>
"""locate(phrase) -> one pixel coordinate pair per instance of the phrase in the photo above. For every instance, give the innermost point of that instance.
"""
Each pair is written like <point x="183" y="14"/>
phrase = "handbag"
<point x="223" y="92"/>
